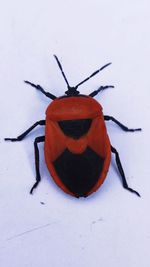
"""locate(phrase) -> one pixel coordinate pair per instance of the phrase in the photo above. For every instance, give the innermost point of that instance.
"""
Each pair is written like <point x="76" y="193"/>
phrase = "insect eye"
<point x="75" y="128"/>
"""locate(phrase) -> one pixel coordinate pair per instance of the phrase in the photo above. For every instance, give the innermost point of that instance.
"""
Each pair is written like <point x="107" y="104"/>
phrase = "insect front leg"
<point x="121" y="171"/>
<point x="38" y="87"/>
<point x="36" y="151"/>
<point x="123" y="127"/>
<point x="23" y="135"/>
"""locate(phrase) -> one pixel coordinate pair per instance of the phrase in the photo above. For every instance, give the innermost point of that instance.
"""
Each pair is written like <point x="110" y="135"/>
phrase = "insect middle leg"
<point x="23" y="135"/>
<point x="37" y="140"/>
<point x="121" y="171"/>
<point x="123" y="127"/>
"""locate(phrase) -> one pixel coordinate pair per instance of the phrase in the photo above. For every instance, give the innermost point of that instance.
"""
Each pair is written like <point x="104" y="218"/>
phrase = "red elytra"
<point x="77" y="147"/>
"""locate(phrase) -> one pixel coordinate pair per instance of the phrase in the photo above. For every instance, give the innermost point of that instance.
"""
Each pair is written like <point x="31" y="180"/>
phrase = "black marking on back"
<point x="75" y="128"/>
<point x="79" y="172"/>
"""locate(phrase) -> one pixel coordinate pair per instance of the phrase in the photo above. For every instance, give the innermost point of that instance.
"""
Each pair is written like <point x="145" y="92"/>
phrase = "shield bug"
<point x="77" y="147"/>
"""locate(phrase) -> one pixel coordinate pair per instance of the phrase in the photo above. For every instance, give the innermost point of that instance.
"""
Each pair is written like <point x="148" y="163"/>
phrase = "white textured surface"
<point x="110" y="228"/>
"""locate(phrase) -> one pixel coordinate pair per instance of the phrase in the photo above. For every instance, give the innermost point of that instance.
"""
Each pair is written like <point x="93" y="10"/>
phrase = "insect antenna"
<point x="72" y="91"/>
<point x="93" y="74"/>
<point x="60" y="66"/>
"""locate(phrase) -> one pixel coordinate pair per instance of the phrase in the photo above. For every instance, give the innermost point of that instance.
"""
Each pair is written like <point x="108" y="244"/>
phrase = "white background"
<point x="112" y="226"/>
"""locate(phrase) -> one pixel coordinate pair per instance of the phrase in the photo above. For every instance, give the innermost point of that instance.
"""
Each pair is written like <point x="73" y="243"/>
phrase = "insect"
<point x="77" y="147"/>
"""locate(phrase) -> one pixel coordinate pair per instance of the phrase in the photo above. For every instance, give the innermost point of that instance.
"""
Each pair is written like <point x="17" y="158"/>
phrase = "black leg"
<point x="22" y="136"/>
<point x="123" y="127"/>
<point x="38" y="87"/>
<point x="36" y="151"/>
<point x="101" y="88"/>
<point x="124" y="182"/>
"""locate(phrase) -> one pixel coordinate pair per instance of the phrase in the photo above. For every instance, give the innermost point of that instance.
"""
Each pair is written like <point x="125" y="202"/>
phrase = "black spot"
<point x="75" y="128"/>
<point x="79" y="172"/>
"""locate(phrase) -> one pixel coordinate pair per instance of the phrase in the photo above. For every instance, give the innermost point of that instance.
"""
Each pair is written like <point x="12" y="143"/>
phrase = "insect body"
<point x="77" y="147"/>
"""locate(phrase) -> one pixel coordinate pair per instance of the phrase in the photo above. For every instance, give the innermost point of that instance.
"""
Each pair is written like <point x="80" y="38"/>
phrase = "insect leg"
<point x="22" y="136"/>
<point x="37" y="140"/>
<point x="121" y="171"/>
<point x="123" y="127"/>
<point x="38" y="87"/>
<point x="101" y="88"/>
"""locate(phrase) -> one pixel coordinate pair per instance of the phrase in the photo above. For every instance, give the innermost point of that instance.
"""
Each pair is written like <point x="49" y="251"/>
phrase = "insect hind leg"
<point x="37" y="140"/>
<point x="121" y="171"/>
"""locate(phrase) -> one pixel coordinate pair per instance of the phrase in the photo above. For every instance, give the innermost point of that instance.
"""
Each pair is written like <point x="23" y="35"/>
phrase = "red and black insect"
<point x="77" y="147"/>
